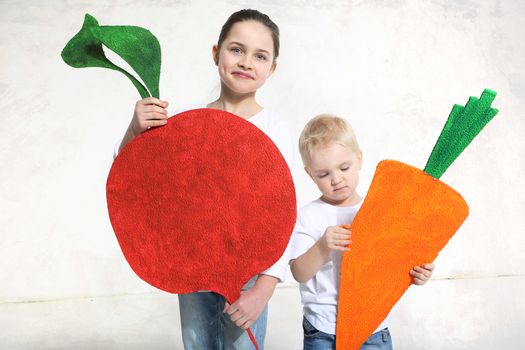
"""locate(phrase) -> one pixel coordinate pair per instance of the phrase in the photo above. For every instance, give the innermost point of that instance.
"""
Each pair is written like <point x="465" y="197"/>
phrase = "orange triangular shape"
<point x="406" y="218"/>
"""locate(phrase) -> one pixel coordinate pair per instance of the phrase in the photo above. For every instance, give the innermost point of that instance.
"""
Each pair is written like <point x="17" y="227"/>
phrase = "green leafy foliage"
<point x="136" y="45"/>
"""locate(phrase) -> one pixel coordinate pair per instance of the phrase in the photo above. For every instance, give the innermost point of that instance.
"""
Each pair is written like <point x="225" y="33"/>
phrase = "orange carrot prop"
<point x="406" y="218"/>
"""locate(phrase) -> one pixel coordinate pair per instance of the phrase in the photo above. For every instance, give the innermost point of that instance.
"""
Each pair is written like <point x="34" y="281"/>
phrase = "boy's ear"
<point x="308" y="172"/>
<point x="215" y="54"/>
<point x="360" y="158"/>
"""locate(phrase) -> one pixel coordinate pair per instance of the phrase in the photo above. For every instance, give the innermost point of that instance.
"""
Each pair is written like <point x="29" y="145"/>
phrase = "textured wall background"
<point x="394" y="68"/>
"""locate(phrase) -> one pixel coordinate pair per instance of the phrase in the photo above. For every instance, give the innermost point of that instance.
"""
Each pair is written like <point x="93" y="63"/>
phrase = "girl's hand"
<point x="337" y="238"/>
<point x="421" y="274"/>
<point x="246" y="310"/>
<point x="149" y="112"/>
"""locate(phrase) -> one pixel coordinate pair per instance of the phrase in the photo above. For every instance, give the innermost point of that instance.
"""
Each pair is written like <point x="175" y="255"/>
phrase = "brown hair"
<point x="253" y="15"/>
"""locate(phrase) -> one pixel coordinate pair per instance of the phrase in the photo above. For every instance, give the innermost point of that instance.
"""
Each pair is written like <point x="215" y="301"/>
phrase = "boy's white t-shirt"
<point x="278" y="131"/>
<point x="320" y="294"/>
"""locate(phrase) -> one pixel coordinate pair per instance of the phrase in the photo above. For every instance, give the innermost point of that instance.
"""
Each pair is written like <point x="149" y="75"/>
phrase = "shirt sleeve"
<point x="301" y="240"/>
<point x="279" y="269"/>
<point x="299" y="243"/>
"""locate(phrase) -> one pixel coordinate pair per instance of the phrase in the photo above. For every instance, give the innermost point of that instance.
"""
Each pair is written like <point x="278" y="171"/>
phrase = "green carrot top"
<point x="462" y="126"/>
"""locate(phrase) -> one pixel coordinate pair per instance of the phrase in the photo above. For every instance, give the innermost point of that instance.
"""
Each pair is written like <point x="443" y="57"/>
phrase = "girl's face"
<point x="335" y="170"/>
<point x="246" y="58"/>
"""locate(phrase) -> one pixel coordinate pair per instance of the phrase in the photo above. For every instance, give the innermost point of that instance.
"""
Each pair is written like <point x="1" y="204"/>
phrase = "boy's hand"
<point x="149" y="112"/>
<point x="421" y="274"/>
<point x="337" y="238"/>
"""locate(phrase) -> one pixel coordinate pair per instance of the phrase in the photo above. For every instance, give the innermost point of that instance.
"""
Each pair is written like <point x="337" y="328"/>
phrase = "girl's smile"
<point x="242" y="75"/>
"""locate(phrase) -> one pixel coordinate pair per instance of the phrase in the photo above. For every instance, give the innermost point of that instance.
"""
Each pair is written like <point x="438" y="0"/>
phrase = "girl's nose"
<point x="245" y="62"/>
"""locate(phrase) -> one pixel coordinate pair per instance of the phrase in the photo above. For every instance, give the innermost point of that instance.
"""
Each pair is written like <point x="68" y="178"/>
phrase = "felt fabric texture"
<point x="406" y="218"/>
<point x="136" y="45"/>
<point x="202" y="203"/>
<point x="462" y="126"/>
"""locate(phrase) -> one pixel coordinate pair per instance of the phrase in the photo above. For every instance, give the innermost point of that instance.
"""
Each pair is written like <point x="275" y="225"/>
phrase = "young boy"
<point x="332" y="158"/>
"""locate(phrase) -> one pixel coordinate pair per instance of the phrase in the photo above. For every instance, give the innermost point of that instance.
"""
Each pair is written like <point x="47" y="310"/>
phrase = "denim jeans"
<point x="314" y="339"/>
<point x="206" y="327"/>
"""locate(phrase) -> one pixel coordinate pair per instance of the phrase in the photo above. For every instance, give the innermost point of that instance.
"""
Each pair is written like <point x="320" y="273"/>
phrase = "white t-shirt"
<point x="278" y="131"/>
<point x="320" y="294"/>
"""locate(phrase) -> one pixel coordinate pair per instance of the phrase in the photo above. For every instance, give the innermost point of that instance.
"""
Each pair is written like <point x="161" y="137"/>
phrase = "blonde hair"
<point x="323" y="130"/>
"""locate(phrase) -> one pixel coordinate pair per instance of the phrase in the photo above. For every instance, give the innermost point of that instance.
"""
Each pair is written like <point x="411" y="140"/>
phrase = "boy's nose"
<point x="336" y="180"/>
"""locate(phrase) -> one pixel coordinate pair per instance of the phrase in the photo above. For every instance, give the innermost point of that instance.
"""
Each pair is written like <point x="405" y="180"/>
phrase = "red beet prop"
<point x="202" y="203"/>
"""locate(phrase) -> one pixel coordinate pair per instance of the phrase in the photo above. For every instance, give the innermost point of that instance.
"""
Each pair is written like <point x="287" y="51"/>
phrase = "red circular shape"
<point x="202" y="203"/>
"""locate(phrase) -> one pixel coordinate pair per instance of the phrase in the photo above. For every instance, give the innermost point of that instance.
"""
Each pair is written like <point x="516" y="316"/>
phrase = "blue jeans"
<point x="206" y="327"/>
<point x="314" y="339"/>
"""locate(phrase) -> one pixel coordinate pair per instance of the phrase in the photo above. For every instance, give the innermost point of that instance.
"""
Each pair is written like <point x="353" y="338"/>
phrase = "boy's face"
<point x="335" y="170"/>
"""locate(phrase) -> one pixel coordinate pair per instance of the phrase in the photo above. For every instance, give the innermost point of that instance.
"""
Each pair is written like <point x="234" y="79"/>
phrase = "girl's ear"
<point x="272" y="69"/>
<point x="215" y="54"/>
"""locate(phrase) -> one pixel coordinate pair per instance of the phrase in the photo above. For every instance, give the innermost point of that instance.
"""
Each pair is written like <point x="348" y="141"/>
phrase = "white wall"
<point x="394" y="68"/>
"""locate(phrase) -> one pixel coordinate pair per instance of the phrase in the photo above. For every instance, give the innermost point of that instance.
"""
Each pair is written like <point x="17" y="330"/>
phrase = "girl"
<point x="245" y="56"/>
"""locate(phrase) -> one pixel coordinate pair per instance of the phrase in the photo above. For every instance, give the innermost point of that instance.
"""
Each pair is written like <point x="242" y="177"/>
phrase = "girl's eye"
<point x="322" y="175"/>
<point x="261" y="57"/>
<point x="345" y="168"/>
<point x="236" y="50"/>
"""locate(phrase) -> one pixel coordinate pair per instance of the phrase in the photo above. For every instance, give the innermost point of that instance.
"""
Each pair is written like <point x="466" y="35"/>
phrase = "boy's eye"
<point x="322" y="175"/>
<point x="236" y="50"/>
<point x="345" y="168"/>
<point x="261" y="57"/>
